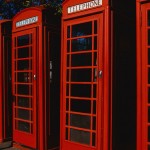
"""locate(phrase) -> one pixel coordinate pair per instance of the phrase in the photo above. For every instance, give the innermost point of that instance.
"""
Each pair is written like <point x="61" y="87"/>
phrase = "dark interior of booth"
<point x="124" y="75"/>
<point x="53" y="80"/>
<point x="7" y="94"/>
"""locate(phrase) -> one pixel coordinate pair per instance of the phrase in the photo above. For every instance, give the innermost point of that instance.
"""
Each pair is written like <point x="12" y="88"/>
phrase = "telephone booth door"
<point x="83" y="84"/>
<point x="24" y="87"/>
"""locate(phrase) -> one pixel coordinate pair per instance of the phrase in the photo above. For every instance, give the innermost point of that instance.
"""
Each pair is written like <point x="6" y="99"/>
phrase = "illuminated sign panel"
<point x="27" y="21"/>
<point x="84" y="6"/>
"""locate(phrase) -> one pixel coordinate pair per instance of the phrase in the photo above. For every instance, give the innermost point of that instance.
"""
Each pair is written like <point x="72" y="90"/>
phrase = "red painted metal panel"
<point x="103" y="110"/>
<point x="143" y="113"/>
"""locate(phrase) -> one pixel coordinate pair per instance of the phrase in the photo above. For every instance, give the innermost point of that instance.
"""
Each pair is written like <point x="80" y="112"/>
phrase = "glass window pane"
<point x="68" y="46"/>
<point x="68" y="60"/>
<point x="149" y="37"/>
<point x="95" y="27"/>
<point x="23" y="40"/>
<point x="66" y="133"/>
<point x="78" y="136"/>
<point x="23" y="126"/>
<point x="81" y="44"/>
<point x="81" y="75"/>
<point x="83" y="106"/>
<point x="24" y="102"/>
<point x="24" y="52"/>
<point x="149" y="114"/>
<point x="82" y="29"/>
<point x="148" y="95"/>
<point x="93" y="139"/>
<point x="94" y="107"/>
<point x="24" y="65"/>
<point x="94" y="90"/>
<point x="149" y="134"/>
<point x="23" y="114"/>
<point x="80" y="90"/>
<point x="67" y="89"/>
<point x="24" y="89"/>
<point x="68" y="32"/>
<point x="67" y="104"/>
<point x="67" y="117"/>
<point x="84" y="59"/>
<point x="25" y="77"/>
<point x="80" y="121"/>
<point x="95" y="43"/>
<point x="94" y="123"/>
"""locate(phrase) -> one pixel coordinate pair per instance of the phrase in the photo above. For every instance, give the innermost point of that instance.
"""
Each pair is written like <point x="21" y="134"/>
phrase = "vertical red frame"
<point x="107" y="94"/>
<point x="142" y="80"/>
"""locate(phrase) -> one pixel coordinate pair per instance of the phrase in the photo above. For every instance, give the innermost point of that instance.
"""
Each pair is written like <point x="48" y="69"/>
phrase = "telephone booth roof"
<point x="32" y="17"/>
<point x="3" y="21"/>
<point x="82" y="7"/>
<point x="27" y="17"/>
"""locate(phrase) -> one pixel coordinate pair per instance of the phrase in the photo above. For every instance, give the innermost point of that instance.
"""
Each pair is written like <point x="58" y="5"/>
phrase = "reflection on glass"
<point x="23" y="126"/>
<point x="25" y="77"/>
<point x="82" y="29"/>
<point x="80" y="121"/>
<point x="82" y="44"/>
<point x="78" y="136"/>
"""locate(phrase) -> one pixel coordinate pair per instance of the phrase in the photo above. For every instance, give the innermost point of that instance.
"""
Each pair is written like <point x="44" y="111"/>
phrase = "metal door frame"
<point x="18" y="136"/>
<point x="100" y="121"/>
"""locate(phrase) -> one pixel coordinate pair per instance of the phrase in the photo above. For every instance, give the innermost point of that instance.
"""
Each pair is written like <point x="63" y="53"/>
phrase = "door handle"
<point x="34" y="77"/>
<point x="100" y="74"/>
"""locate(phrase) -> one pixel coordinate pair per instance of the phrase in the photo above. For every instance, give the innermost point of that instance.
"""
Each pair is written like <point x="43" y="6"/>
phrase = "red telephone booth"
<point x="35" y="78"/>
<point x="143" y="74"/>
<point x="5" y="81"/>
<point x="98" y="75"/>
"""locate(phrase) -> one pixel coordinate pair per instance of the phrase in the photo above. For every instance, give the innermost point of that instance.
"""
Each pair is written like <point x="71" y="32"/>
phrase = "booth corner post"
<point x="35" y="78"/>
<point x="5" y="83"/>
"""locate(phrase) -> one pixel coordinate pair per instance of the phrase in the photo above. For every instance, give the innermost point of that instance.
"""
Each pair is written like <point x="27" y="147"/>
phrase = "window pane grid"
<point x="74" y="77"/>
